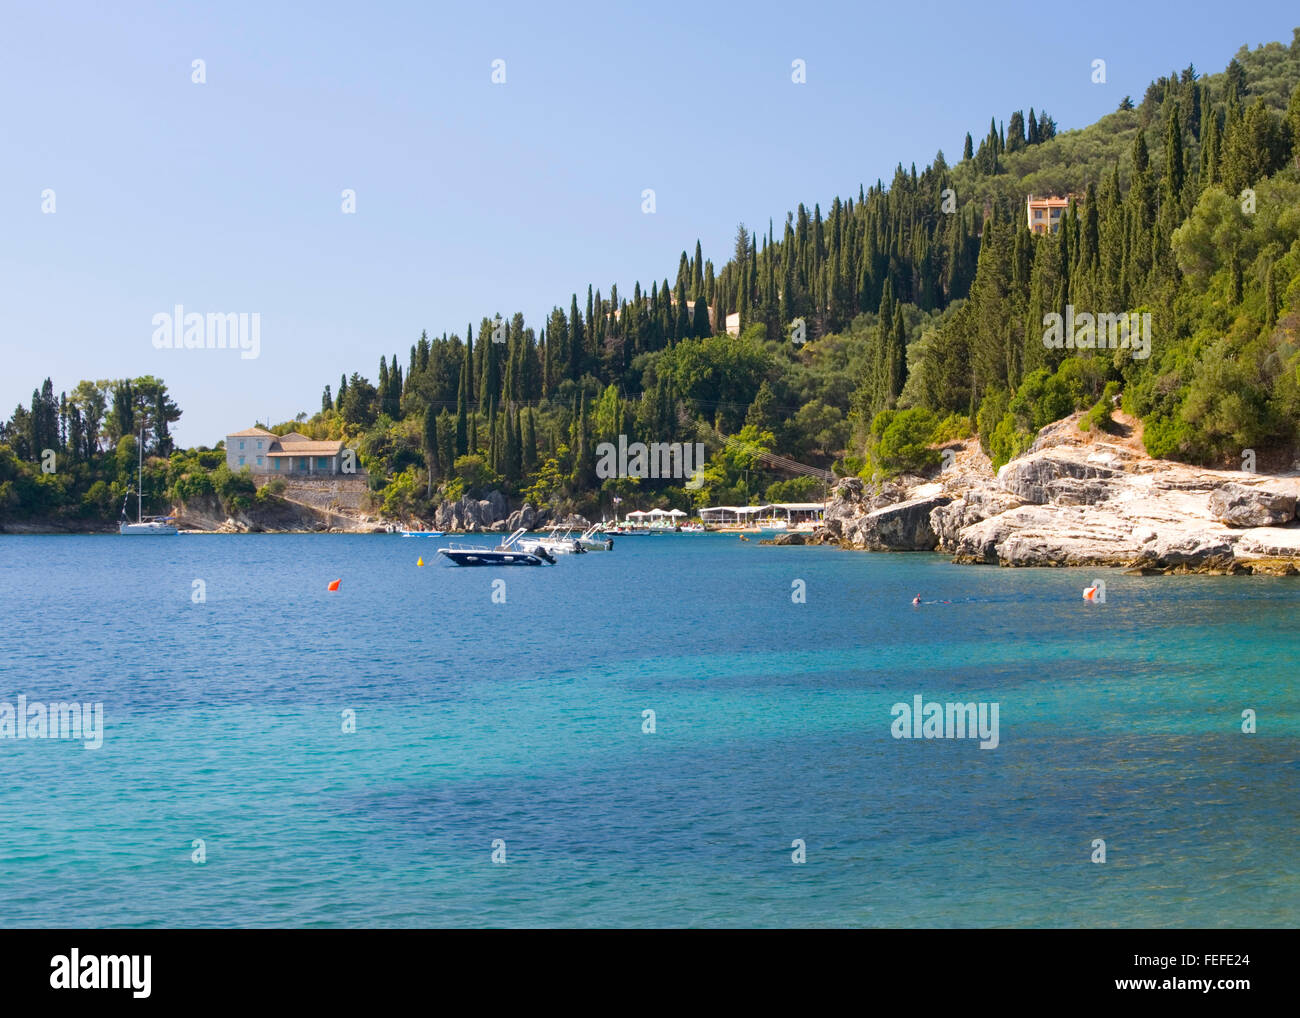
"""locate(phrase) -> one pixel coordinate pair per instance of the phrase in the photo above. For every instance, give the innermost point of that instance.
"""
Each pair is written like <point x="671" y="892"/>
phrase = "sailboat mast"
<point x="139" y="481"/>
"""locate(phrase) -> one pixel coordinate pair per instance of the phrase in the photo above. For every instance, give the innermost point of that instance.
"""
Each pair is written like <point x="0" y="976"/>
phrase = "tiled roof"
<point x="294" y="436"/>
<point x="252" y="433"/>
<point x="309" y="448"/>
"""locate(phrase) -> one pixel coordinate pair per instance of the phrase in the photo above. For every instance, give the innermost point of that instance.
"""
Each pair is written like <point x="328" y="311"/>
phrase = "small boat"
<point x="507" y="553"/>
<point x="556" y="543"/>
<point x="629" y="530"/>
<point x="422" y="533"/>
<point x="144" y="525"/>
<point x="592" y="539"/>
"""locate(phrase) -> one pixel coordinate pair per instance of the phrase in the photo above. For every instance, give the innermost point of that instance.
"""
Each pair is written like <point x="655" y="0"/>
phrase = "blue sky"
<point x="472" y="198"/>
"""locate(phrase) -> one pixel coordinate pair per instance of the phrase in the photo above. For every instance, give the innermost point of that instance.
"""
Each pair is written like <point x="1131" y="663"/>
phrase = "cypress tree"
<point x="575" y="340"/>
<point x="490" y="379"/>
<point x="1016" y="132"/>
<point x="1270" y="298"/>
<point x="470" y="389"/>
<point x="446" y="441"/>
<point x="462" y="408"/>
<point x="430" y="437"/>
<point x="1174" y="170"/>
<point x="529" y="443"/>
<point x="700" y="327"/>
<point x="514" y="460"/>
<point x="897" y="355"/>
<point x="682" y="328"/>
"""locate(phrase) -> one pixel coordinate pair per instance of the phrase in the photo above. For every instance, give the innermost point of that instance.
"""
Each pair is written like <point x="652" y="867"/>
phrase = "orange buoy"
<point x="334" y="584"/>
<point x="420" y="561"/>
<point x="1089" y="593"/>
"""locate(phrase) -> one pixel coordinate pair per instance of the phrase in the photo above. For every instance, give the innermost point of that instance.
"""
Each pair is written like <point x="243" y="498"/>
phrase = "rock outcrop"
<point x="267" y="515"/>
<point x="472" y="515"/>
<point x="1240" y="506"/>
<point x="903" y="526"/>
<point x="1078" y="499"/>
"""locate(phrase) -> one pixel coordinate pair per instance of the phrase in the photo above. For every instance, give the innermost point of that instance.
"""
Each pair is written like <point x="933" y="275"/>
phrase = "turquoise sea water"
<point x="522" y="721"/>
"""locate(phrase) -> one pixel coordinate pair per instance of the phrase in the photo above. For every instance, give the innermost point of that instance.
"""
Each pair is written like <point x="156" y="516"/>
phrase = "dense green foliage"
<point x="864" y="333"/>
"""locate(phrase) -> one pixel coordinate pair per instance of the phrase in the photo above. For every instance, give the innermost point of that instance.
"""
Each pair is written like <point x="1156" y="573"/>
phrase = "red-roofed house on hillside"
<point x="1045" y="213"/>
<point x="265" y="452"/>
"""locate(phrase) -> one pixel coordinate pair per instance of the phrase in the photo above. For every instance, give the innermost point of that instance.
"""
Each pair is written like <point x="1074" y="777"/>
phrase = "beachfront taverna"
<point x="265" y="452"/>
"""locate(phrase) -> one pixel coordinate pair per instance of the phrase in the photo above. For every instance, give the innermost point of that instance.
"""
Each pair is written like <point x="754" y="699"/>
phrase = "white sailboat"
<point x="158" y="525"/>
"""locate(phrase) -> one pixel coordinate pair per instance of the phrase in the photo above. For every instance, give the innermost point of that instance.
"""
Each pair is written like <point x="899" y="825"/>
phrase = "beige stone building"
<point x="291" y="455"/>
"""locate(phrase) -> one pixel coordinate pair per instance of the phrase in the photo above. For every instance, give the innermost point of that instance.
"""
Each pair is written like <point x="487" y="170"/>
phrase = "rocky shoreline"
<point x="1074" y="499"/>
<point x="1077" y="499"/>
<point x="206" y="515"/>
<point x="468" y="515"/>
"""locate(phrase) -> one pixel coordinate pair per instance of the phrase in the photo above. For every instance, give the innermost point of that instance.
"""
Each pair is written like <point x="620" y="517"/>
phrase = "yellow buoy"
<point x="419" y="561"/>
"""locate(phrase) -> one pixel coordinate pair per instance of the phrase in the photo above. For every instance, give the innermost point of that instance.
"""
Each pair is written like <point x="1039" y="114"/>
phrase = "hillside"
<point x="868" y="332"/>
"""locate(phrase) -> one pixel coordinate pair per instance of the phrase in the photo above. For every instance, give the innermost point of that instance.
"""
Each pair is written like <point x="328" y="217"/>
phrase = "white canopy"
<point x="637" y="513"/>
<point x="676" y="512"/>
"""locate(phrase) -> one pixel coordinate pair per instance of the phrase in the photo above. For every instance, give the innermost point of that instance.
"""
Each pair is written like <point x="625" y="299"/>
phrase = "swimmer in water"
<point x="917" y="599"/>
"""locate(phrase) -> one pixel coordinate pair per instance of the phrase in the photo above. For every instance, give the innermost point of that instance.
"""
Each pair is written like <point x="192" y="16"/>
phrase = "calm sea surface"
<point x="522" y="721"/>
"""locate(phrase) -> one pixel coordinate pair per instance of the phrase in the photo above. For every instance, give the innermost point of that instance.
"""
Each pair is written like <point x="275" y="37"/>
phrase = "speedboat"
<point x="592" y="539"/>
<point x="628" y="530"/>
<point x="555" y="544"/>
<point x="422" y="533"/>
<point x="507" y="553"/>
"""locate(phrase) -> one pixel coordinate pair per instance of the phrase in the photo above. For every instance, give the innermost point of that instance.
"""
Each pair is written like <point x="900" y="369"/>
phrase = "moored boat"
<point x="507" y="553"/>
<point x="592" y="539"/>
<point x="159" y="526"/>
<point x="556" y="543"/>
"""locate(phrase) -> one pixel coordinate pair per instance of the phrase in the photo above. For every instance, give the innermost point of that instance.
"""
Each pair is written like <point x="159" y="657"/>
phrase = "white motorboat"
<point x="507" y="553"/>
<point x="592" y="539"/>
<point x="556" y="543"/>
